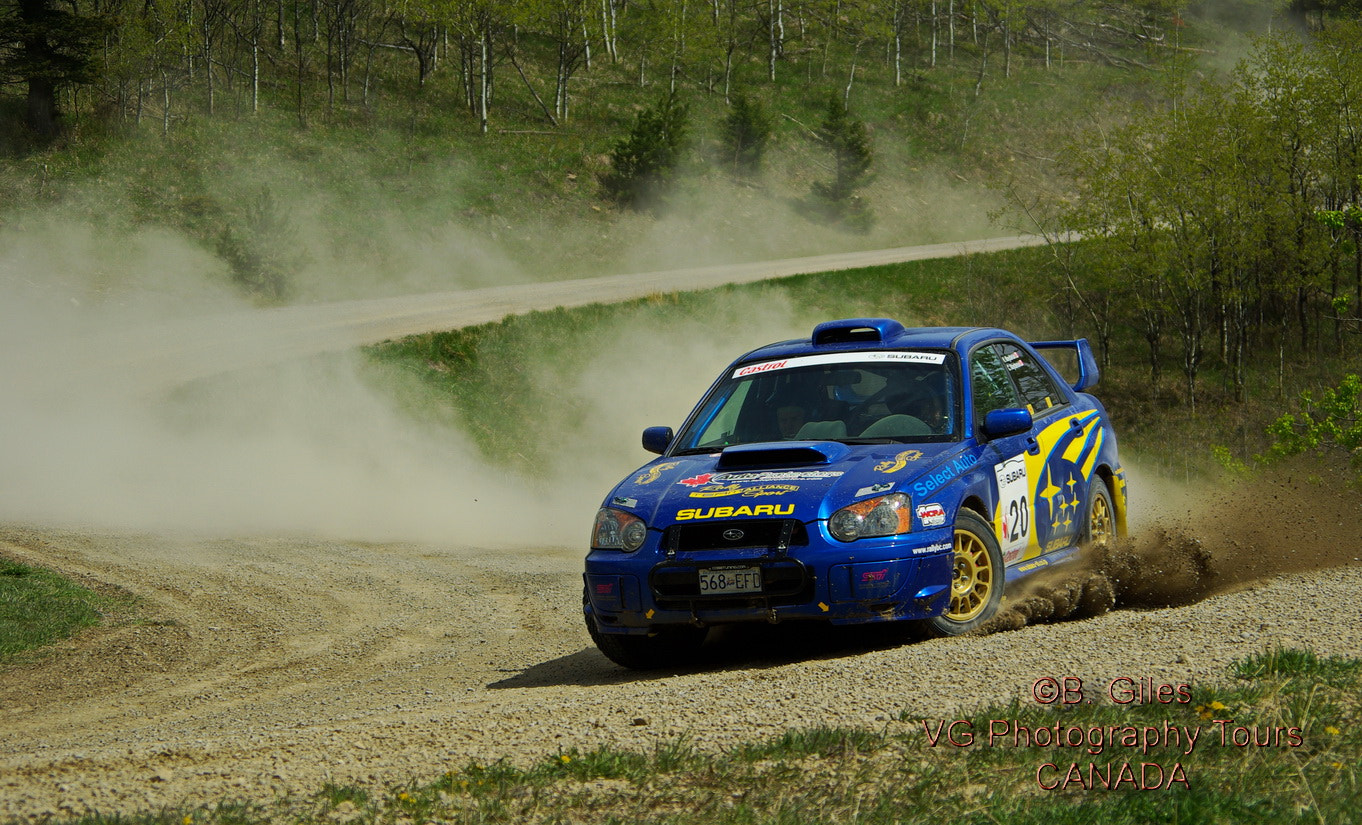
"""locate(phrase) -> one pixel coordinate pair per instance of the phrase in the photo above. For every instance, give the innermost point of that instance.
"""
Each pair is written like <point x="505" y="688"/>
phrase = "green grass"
<point x="39" y="607"/>
<point x="1291" y="662"/>
<point x="1304" y="767"/>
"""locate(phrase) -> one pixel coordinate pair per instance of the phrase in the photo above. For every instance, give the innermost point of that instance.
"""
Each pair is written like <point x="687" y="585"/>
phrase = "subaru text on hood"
<point x="870" y="473"/>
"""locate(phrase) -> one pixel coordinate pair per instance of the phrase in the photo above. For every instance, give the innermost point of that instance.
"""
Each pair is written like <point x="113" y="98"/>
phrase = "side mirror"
<point x="656" y="439"/>
<point x="999" y="423"/>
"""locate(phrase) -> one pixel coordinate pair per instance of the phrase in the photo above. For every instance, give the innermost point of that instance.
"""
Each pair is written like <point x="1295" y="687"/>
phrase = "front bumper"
<point x="871" y="580"/>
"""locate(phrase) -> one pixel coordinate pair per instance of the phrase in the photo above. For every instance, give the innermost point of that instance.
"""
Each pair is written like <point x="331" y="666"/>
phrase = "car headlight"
<point x="618" y="530"/>
<point x="883" y="516"/>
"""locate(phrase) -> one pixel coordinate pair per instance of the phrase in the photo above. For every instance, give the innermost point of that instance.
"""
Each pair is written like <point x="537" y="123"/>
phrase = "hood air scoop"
<point x="784" y="454"/>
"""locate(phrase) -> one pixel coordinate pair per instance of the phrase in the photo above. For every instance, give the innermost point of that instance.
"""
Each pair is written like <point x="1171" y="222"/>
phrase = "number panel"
<point x="1014" y="507"/>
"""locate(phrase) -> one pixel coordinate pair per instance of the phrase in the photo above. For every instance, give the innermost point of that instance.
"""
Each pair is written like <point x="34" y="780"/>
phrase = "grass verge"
<point x="38" y="607"/>
<point x="1280" y="741"/>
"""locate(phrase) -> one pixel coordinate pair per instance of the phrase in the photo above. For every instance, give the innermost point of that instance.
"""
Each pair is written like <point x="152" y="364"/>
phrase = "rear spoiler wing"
<point x="1088" y="374"/>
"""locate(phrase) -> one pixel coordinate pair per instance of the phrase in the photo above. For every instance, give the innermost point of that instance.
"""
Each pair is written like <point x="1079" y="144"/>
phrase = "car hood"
<point x="806" y="480"/>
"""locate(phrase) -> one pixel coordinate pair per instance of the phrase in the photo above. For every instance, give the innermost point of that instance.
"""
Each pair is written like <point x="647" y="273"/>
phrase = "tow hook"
<point x="771" y="616"/>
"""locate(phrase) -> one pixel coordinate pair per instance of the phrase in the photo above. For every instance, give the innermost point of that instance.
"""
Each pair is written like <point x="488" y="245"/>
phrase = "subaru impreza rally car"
<point x="869" y="473"/>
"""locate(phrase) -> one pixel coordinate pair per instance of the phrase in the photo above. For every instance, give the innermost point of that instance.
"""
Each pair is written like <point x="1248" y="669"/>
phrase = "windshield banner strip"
<point x="881" y="356"/>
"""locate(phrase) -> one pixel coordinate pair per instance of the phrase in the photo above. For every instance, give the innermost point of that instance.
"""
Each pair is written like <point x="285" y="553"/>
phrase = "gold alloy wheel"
<point x="972" y="581"/>
<point x="1100" y="529"/>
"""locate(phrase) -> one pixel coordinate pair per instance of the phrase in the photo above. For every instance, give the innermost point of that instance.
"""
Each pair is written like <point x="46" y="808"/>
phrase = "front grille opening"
<point x="723" y="535"/>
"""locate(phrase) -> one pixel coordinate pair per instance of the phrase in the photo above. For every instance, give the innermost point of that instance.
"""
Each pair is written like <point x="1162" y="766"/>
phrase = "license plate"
<point x="736" y="580"/>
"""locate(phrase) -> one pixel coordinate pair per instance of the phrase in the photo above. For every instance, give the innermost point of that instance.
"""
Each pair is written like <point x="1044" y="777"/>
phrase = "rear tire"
<point x="977" y="578"/>
<point x="1099" y="527"/>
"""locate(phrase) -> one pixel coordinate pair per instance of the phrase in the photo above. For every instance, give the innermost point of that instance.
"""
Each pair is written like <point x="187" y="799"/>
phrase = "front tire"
<point x="976" y="580"/>
<point x="666" y="647"/>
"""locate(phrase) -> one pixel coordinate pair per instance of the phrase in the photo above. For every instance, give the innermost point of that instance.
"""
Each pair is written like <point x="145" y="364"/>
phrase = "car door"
<point x="1016" y="458"/>
<point x="1064" y="440"/>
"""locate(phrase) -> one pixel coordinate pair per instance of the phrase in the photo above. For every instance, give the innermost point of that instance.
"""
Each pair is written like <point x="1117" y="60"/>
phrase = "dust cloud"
<point x="123" y="410"/>
<point x="1191" y="543"/>
<point x="130" y="355"/>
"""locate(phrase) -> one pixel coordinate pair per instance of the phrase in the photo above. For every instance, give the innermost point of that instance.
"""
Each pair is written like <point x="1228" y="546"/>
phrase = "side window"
<point x="992" y="388"/>
<point x="1035" y="385"/>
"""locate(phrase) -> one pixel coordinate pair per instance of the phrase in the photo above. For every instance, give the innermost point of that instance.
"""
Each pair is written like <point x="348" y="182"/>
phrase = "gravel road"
<point x="273" y="666"/>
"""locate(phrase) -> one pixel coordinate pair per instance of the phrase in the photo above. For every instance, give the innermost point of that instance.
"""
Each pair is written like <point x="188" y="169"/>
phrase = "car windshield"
<point x="852" y="397"/>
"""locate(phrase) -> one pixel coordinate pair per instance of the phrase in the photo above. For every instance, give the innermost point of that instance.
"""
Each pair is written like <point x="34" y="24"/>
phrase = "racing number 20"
<point x="1019" y="517"/>
<point x="1014" y="506"/>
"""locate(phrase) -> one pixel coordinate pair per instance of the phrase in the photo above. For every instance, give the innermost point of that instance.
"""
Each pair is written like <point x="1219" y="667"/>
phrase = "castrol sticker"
<point x="881" y="356"/>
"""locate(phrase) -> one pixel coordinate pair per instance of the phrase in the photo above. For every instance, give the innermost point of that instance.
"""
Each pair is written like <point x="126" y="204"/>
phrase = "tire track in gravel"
<point x="382" y="664"/>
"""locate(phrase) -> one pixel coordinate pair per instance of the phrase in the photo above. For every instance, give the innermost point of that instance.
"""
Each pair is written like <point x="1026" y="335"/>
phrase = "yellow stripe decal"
<point x="1097" y="448"/>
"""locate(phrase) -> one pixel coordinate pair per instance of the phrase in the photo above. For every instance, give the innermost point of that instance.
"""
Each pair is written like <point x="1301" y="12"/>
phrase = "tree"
<point x="846" y="137"/>
<point x="476" y="25"/>
<point x="1335" y="88"/>
<point x="746" y="130"/>
<point x="47" y="47"/>
<point x="644" y="162"/>
<point x="564" y="23"/>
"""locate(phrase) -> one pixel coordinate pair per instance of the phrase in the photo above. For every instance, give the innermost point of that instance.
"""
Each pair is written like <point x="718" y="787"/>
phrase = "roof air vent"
<point x="855" y="331"/>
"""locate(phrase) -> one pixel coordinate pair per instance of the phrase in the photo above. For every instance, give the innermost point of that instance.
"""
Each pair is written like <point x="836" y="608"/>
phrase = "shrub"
<point x="643" y="163"/>
<point x="846" y="137"/>
<point x="1330" y="423"/>
<point x="746" y="132"/>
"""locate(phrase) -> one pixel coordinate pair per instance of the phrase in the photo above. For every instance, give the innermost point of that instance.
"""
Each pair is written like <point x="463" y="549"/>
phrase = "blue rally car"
<point x="869" y="473"/>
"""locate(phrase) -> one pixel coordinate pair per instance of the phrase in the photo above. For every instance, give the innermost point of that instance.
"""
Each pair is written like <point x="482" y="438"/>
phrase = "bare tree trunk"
<point x="935" y="26"/>
<point x="983" y="65"/>
<point x="560" y="102"/>
<point x="608" y="29"/>
<point x="586" y="44"/>
<point x="545" y="109"/>
<point x="165" y="104"/>
<point x="1007" y="51"/>
<point x="771" y="39"/>
<point x="898" y="57"/>
<point x="485" y="78"/>
<point x="298" y="58"/>
<point x="330" y="70"/>
<point x="206" y="22"/>
<point x="950" y="22"/>
<point x="728" y="70"/>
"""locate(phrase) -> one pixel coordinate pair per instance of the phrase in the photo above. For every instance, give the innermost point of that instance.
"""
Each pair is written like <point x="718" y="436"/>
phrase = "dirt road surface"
<point x="271" y="667"/>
